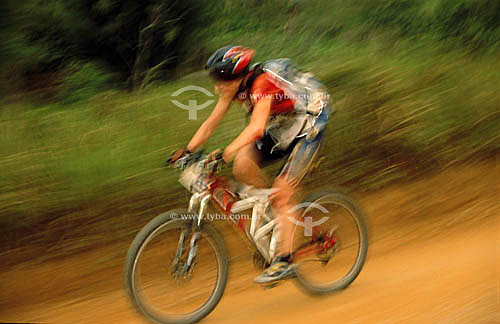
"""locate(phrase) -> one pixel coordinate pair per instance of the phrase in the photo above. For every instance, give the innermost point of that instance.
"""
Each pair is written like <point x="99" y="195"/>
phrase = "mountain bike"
<point x="177" y="266"/>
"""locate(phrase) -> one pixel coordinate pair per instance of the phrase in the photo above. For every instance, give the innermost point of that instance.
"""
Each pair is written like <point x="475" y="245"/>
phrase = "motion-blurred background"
<point x="86" y="119"/>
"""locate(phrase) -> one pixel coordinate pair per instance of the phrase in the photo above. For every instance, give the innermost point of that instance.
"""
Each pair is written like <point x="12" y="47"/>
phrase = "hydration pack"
<point x="311" y="109"/>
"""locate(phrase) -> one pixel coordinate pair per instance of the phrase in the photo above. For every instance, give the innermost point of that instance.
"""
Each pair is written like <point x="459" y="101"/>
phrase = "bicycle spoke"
<point x="174" y="283"/>
<point x="332" y="256"/>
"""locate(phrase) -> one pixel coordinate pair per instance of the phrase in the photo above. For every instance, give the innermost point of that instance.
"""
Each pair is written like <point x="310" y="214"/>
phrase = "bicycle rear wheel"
<point x="330" y="243"/>
<point x="161" y="285"/>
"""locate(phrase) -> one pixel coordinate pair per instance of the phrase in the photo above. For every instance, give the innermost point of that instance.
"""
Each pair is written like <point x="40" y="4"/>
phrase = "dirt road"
<point x="433" y="258"/>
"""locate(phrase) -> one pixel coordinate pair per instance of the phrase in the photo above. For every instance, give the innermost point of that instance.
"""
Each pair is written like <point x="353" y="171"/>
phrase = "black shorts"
<point x="300" y="156"/>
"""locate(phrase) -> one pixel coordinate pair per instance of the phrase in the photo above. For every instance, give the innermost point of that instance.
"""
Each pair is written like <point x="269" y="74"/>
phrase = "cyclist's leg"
<point x="248" y="163"/>
<point x="300" y="160"/>
<point x="296" y="167"/>
<point x="283" y="203"/>
<point x="246" y="167"/>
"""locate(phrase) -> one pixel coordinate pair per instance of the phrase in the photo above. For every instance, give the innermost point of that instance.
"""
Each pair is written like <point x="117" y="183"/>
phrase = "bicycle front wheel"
<point x="162" y="284"/>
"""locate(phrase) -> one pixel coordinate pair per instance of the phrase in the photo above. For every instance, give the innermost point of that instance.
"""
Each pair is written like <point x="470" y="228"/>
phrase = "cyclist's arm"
<point x="253" y="131"/>
<point x="206" y="129"/>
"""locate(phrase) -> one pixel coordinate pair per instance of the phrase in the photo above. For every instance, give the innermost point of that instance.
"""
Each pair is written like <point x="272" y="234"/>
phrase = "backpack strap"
<point x="255" y="71"/>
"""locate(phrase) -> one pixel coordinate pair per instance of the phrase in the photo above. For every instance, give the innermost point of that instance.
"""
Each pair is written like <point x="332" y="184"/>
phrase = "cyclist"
<point x="275" y="131"/>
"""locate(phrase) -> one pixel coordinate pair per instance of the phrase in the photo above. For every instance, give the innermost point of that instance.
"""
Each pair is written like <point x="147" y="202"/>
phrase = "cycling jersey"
<point x="291" y="131"/>
<point x="264" y="87"/>
<point x="284" y="123"/>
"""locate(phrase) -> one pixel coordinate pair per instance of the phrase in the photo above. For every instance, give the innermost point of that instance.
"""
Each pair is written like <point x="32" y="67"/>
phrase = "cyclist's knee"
<point x="246" y="165"/>
<point x="240" y="164"/>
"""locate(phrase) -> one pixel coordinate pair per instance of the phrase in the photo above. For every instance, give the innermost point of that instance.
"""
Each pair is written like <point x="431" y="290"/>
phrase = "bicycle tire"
<point x="165" y="220"/>
<point x="359" y="218"/>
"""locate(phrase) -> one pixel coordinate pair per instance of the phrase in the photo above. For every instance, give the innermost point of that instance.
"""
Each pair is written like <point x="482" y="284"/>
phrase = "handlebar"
<point x="210" y="162"/>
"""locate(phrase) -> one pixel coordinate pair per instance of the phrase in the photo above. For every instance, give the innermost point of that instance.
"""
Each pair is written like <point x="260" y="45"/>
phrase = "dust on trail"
<point x="433" y="258"/>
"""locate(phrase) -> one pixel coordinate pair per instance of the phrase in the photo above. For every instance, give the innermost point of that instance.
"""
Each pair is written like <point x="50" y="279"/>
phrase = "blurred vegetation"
<point x="414" y="83"/>
<point x="138" y="40"/>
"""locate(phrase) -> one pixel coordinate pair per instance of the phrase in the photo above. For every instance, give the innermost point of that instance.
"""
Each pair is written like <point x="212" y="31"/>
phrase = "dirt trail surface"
<point x="433" y="258"/>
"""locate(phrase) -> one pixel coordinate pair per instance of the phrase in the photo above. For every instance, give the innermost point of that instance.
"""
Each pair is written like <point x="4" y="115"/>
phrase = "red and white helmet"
<point x="229" y="62"/>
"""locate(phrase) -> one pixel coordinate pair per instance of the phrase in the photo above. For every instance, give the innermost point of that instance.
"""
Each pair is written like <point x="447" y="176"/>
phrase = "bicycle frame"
<point x="261" y="232"/>
<point x="201" y="180"/>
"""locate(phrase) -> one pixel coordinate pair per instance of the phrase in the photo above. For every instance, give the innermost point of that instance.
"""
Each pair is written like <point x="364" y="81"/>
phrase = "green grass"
<point x="61" y="157"/>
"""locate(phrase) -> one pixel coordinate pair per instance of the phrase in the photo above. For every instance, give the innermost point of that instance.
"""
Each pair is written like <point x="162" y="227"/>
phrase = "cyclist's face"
<point x="227" y="88"/>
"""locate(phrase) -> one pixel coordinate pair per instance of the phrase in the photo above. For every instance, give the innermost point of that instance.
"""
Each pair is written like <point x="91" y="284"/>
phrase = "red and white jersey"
<point x="264" y="87"/>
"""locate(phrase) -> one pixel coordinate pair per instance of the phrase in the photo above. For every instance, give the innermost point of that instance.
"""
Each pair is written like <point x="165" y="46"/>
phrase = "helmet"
<point x="229" y="62"/>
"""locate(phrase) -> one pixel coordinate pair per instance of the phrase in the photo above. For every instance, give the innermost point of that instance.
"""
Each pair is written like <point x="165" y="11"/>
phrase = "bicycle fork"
<point x="196" y="200"/>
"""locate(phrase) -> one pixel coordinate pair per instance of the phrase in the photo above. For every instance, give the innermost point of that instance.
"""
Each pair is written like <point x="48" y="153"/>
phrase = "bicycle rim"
<point x="330" y="256"/>
<point x="165" y="295"/>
